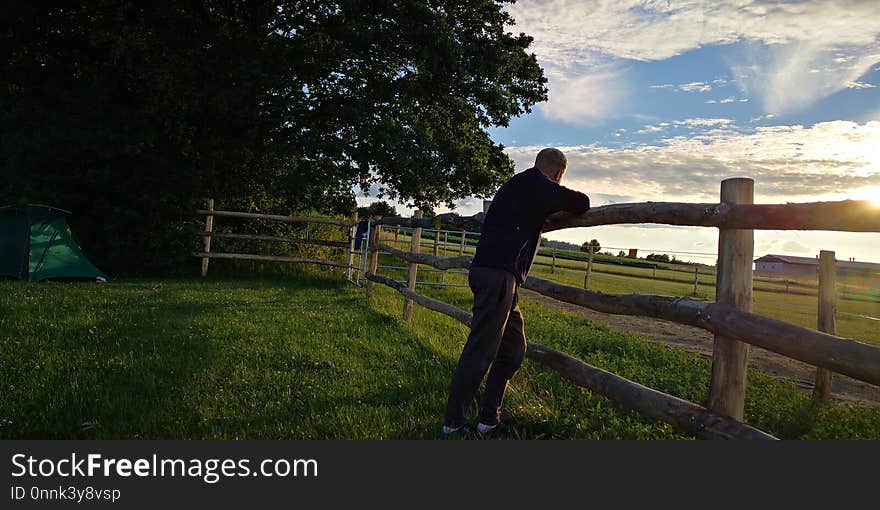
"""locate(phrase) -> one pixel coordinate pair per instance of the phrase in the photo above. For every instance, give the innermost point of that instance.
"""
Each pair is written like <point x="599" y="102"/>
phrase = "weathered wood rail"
<point x="276" y="217"/>
<point x="260" y="237"/>
<point x="268" y="258"/>
<point x="845" y="215"/>
<point x="210" y="213"/>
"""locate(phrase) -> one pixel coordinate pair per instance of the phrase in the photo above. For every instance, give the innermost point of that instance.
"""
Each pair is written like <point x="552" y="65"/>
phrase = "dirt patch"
<point x="700" y="341"/>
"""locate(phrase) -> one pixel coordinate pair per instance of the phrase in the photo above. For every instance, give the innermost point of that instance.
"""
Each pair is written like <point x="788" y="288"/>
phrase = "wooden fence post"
<point x="736" y="248"/>
<point x="827" y="322"/>
<point x="696" y="278"/>
<point x="353" y="235"/>
<point x="654" y="274"/>
<point x="553" y="267"/>
<point x="373" y="261"/>
<point x="589" y="273"/>
<point x="437" y="225"/>
<point x="461" y="247"/>
<point x="206" y="240"/>
<point x="415" y="246"/>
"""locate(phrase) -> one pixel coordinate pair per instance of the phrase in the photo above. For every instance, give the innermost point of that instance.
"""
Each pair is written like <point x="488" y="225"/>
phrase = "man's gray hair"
<point x="551" y="160"/>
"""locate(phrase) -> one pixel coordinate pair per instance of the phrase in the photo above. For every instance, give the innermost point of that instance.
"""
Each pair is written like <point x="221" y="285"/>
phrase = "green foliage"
<point x="378" y="208"/>
<point x="130" y="113"/>
<point x="591" y="245"/>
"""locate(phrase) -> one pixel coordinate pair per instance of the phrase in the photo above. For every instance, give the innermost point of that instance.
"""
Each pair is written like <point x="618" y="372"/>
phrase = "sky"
<point x="661" y="100"/>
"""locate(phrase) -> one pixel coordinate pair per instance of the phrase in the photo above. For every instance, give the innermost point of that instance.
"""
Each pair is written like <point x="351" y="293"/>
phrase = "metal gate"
<point x="464" y="243"/>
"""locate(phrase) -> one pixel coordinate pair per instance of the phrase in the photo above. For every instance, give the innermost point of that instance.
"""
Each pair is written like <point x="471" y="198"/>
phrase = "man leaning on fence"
<point x="509" y="241"/>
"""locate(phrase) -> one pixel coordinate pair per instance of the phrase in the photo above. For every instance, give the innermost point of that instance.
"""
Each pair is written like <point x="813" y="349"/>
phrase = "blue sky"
<point x="661" y="100"/>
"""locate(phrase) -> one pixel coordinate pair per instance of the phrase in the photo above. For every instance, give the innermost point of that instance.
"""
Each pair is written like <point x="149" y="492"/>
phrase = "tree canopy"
<point x="592" y="243"/>
<point x="377" y="208"/>
<point x="130" y="113"/>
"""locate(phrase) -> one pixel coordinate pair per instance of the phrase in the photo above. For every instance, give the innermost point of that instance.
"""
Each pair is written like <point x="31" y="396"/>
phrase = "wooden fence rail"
<point x="845" y="215"/>
<point x="269" y="258"/>
<point x="276" y="217"/>
<point x="210" y="213"/>
<point x="290" y="240"/>
<point x="682" y="414"/>
<point x="841" y="355"/>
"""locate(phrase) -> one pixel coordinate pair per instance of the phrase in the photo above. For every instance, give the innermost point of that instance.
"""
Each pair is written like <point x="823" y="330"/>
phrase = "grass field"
<point x="857" y="319"/>
<point x="849" y="286"/>
<point x="308" y="356"/>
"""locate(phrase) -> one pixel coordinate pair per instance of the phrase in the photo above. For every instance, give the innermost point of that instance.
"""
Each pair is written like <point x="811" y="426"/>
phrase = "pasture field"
<point x="849" y="286"/>
<point x="308" y="356"/>
<point x="858" y="319"/>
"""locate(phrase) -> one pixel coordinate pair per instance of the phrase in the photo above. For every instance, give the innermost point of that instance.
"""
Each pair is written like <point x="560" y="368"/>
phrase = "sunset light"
<point x="870" y="193"/>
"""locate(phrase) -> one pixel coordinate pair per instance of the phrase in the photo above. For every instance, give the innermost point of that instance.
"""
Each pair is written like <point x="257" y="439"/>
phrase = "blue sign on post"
<point x="362" y="228"/>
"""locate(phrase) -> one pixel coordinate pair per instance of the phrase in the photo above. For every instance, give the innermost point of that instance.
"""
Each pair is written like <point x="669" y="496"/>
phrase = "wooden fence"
<point x="729" y="317"/>
<point x="348" y="247"/>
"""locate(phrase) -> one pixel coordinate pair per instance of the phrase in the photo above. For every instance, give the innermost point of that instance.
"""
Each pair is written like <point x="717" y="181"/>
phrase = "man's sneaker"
<point x="491" y="430"/>
<point x="463" y="432"/>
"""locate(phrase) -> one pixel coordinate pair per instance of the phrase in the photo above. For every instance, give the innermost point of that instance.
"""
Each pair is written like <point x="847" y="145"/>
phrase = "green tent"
<point x="36" y="244"/>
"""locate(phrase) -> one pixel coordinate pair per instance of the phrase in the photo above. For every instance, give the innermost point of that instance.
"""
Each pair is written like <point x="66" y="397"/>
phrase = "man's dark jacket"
<point x="512" y="228"/>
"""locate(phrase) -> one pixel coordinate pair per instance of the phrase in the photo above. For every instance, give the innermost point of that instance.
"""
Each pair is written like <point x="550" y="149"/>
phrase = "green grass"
<point x="307" y="356"/>
<point x="852" y="316"/>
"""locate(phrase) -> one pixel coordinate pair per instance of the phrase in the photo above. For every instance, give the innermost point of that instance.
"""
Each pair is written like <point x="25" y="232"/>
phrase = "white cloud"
<point x="795" y="247"/>
<point x="586" y="99"/>
<point x="568" y="33"/>
<point x="763" y="117"/>
<point x="796" y="52"/>
<point x="696" y="86"/>
<point x="650" y="129"/>
<point x="859" y="85"/>
<point x="701" y="122"/>
<point x="711" y="101"/>
<point x="824" y="162"/>
<point x="790" y="77"/>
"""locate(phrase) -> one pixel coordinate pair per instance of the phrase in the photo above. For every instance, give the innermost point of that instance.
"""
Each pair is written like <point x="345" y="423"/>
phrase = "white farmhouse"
<point x="809" y="266"/>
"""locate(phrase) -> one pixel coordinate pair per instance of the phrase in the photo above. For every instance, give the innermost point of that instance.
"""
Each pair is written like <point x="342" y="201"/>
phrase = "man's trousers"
<point x="497" y="339"/>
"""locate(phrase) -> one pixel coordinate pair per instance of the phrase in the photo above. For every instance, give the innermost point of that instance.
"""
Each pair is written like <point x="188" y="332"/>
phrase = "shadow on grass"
<point x="114" y="369"/>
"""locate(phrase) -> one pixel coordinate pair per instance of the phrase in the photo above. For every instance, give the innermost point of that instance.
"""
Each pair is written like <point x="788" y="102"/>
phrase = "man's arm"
<point x="555" y="197"/>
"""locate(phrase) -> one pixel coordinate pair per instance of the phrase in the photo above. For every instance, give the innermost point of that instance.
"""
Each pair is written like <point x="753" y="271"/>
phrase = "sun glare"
<point x="870" y="193"/>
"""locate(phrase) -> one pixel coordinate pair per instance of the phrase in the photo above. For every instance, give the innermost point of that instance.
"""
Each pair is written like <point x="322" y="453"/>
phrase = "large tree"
<point x="128" y="113"/>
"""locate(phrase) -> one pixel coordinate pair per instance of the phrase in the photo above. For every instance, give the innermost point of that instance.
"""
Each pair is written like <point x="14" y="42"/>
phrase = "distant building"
<point x="809" y="266"/>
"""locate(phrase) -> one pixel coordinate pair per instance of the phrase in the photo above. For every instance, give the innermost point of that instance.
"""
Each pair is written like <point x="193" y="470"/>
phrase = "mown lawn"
<point x="307" y="356"/>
